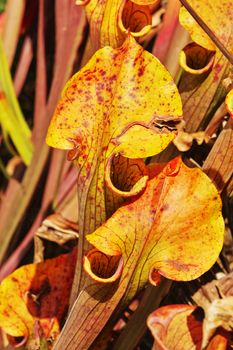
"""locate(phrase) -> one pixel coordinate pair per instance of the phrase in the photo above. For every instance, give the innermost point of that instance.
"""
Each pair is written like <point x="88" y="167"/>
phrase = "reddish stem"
<point x="23" y="65"/>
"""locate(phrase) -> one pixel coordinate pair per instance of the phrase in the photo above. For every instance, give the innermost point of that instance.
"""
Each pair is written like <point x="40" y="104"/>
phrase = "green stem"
<point x="8" y="88"/>
<point x="11" y="126"/>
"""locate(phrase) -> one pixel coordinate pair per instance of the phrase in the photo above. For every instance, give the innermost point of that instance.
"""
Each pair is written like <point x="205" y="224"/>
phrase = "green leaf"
<point x="11" y="118"/>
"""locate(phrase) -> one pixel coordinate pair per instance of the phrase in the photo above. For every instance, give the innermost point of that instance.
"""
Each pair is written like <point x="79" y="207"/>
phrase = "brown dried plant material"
<point x="184" y="140"/>
<point x="55" y="228"/>
<point x="218" y="314"/>
<point x="216" y="299"/>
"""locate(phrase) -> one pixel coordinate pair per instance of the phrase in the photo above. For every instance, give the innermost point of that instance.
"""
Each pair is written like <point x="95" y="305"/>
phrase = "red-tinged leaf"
<point x="176" y="327"/>
<point x="175" y="228"/>
<point x="110" y="21"/>
<point x="116" y="97"/>
<point x="122" y="102"/>
<point x="139" y="91"/>
<point x="167" y="236"/>
<point x="37" y="295"/>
